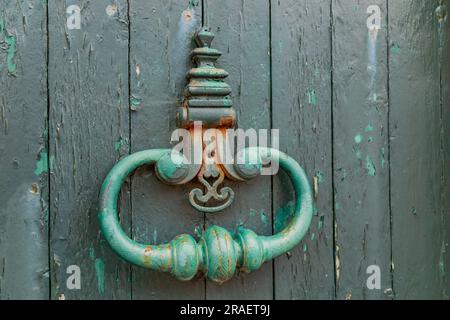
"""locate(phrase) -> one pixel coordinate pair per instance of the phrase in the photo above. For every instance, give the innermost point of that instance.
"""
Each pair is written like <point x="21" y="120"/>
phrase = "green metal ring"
<point x="218" y="252"/>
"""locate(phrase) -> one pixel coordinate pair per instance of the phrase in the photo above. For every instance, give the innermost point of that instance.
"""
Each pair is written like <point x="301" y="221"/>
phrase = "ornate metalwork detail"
<point x="207" y="99"/>
<point x="207" y="96"/>
<point x="226" y="193"/>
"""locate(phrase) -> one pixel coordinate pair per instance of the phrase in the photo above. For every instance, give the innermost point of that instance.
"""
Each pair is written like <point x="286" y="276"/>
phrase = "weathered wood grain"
<point x="416" y="158"/>
<point x="361" y="153"/>
<point x="160" y="45"/>
<point x="23" y="151"/>
<point x="301" y="89"/>
<point x="367" y="115"/>
<point x="242" y="31"/>
<point x="444" y="37"/>
<point x="88" y="79"/>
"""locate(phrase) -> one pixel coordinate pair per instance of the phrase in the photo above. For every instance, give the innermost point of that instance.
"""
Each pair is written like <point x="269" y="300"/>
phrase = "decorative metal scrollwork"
<point x="218" y="253"/>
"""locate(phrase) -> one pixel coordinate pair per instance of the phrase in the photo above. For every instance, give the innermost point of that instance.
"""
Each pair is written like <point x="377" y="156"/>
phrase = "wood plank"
<point x="444" y="34"/>
<point x="301" y="88"/>
<point x="88" y="78"/>
<point x="416" y="163"/>
<point x="23" y="151"/>
<point x="242" y="31"/>
<point x="161" y="33"/>
<point x="361" y="153"/>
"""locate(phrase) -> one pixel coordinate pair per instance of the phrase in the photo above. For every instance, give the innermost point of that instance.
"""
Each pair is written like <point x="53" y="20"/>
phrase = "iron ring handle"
<point x="218" y="252"/>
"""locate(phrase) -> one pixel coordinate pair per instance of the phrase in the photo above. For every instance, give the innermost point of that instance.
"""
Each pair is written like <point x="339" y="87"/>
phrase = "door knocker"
<point x="218" y="252"/>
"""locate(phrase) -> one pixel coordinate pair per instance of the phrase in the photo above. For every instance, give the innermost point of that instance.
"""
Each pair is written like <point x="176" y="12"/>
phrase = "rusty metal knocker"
<point x="219" y="252"/>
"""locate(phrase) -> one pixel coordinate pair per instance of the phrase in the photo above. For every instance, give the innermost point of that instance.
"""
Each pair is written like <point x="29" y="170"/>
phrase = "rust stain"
<point x="187" y="15"/>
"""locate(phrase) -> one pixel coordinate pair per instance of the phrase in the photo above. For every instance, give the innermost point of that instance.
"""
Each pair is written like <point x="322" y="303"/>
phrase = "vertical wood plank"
<point x="23" y="151"/>
<point x="361" y="168"/>
<point x="88" y="78"/>
<point x="444" y="34"/>
<point x="301" y="88"/>
<point x="160" y="46"/>
<point x="416" y="163"/>
<point x="242" y="30"/>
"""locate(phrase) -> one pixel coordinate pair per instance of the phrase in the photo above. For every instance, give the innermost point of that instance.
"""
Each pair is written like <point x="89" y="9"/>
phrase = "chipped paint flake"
<point x="111" y="10"/>
<point x="395" y="48"/>
<point x="100" y="271"/>
<point x="42" y="164"/>
<point x="320" y="177"/>
<point x="338" y="264"/>
<point x="358" y="138"/>
<point x="382" y="158"/>
<point x="320" y="223"/>
<point x="264" y="218"/>
<point x="10" y="53"/>
<point x="369" y="128"/>
<point x="312" y="97"/>
<point x="122" y="143"/>
<point x="193" y="3"/>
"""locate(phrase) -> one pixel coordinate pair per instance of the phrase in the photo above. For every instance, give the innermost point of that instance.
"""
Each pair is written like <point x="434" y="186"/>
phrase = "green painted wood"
<point x="444" y="37"/>
<point x="416" y="159"/>
<point x="301" y="88"/>
<point x="23" y="151"/>
<point x="321" y="100"/>
<point x="160" y="46"/>
<point x="242" y="31"/>
<point x="361" y="153"/>
<point x="88" y="79"/>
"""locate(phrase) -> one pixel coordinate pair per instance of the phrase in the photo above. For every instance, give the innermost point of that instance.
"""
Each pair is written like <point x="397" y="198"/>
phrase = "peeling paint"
<point x="320" y="223"/>
<point x="320" y="177"/>
<point x="395" y="48"/>
<point x="382" y="158"/>
<point x="111" y="10"/>
<point x="10" y="41"/>
<point x="122" y="143"/>
<point x="135" y="103"/>
<point x="372" y="61"/>
<point x="312" y="98"/>
<point x="337" y="262"/>
<point x="370" y="166"/>
<point x="100" y="271"/>
<point x="315" y="209"/>
<point x="10" y="53"/>
<point x="358" y="138"/>
<point x="316" y="186"/>
<point x="193" y="3"/>
<point x="369" y="128"/>
<point x="264" y="218"/>
<point x="42" y="164"/>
